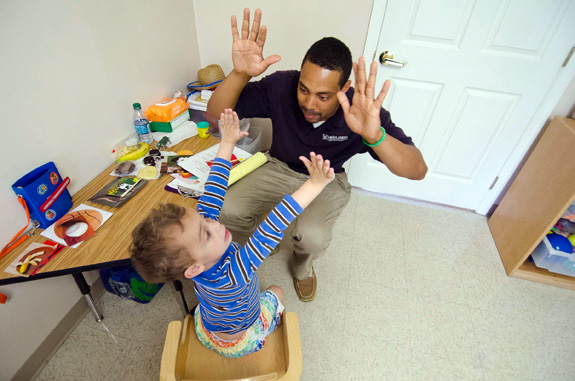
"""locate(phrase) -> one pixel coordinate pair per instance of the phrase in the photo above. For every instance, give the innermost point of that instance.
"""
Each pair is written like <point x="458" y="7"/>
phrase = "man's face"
<point x="206" y="239"/>
<point x="317" y="92"/>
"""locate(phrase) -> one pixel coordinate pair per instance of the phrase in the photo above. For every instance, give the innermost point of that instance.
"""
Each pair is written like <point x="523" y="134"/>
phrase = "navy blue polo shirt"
<point x="275" y="97"/>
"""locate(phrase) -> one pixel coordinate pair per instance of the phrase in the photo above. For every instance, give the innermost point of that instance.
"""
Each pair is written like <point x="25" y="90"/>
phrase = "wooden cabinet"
<point x="538" y="197"/>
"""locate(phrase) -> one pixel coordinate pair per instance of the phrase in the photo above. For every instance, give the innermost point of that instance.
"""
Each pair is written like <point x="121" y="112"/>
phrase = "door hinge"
<point x="569" y="55"/>
<point x="494" y="182"/>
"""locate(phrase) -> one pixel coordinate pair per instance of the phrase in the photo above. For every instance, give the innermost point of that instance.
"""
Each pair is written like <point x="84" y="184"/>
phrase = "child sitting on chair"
<point x="232" y="317"/>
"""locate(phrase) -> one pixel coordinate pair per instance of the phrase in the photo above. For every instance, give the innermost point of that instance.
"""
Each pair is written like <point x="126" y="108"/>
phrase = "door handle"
<point x="386" y="58"/>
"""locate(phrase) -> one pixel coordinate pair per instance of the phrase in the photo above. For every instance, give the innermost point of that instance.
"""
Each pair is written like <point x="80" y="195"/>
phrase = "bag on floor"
<point x="125" y="282"/>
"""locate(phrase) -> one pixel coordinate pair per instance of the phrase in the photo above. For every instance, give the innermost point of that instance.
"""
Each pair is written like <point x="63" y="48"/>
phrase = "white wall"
<point x="566" y="105"/>
<point x="69" y="73"/>
<point x="292" y="27"/>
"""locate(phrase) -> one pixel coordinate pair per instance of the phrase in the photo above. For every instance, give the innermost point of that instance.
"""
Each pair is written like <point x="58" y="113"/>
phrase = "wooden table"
<point x="110" y="245"/>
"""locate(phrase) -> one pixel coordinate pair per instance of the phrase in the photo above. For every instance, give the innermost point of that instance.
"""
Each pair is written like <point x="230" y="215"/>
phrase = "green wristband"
<point x="378" y="142"/>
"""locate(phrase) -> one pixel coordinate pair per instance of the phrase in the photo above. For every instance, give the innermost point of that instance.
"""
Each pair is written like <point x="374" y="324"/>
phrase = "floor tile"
<point x="146" y="323"/>
<point x="151" y="328"/>
<point x="524" y="347"/>
<point x="378" y="219"/>
<point x="431" y="238"/>
<point x="428" y="367"/>
<point x="432" y="275"/>
<point x="373" y="308"/>
<point x="378" y="262"/>
<point x="322" y="341"/>
<point x="442" y="329"/>
<point x="87" y="354"/>
<point x="138" y="362"/>
<point x="497" y="375"/>
<point x="436" y="214"/>
<point x="367" y="356"/>
<point x="488" y="288"/>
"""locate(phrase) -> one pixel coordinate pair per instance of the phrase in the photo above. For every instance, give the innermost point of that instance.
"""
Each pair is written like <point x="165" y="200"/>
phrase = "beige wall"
<point x="292" y="27"/>
<point x="69" y="73"/>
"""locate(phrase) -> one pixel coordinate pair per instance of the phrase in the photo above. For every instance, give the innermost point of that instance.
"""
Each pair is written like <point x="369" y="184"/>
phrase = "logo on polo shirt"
<point x="330" y="138"/>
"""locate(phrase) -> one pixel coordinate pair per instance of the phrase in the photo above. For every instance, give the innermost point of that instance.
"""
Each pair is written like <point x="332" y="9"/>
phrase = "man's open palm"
<point x="362" y="116"/>
<point x="247" y="50"/>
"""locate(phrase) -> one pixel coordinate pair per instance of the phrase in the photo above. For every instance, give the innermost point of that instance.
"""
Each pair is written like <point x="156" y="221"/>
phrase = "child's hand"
<point x="230" y="127"/>
<point x="320" y="174"/>
<point x="319" y="170"/>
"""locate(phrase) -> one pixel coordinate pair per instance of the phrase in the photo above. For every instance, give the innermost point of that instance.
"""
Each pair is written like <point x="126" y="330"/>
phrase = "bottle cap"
<point x="137" y="106"/>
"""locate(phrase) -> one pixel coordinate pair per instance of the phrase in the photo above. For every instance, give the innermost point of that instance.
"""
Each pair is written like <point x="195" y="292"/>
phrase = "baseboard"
<point x="38" y="360"/>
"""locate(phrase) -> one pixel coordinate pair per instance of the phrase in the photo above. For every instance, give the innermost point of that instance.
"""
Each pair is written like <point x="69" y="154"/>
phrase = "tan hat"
<point x="208" y="78"/>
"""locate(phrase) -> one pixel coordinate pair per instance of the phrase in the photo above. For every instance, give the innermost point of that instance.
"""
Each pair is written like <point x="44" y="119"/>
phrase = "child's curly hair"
<point x="155" y="258"/>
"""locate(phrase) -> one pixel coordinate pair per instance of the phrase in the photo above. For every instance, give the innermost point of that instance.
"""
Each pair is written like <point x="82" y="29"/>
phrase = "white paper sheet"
<point x="182" y="132"/>
<point x="197" y="164"/>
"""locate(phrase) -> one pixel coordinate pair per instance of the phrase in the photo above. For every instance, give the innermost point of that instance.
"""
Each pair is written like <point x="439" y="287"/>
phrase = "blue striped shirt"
<point x="228" y="292"/>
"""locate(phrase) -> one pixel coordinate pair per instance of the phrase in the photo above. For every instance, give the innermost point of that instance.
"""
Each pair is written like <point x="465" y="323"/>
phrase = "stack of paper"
<point x="199" y="167"/>
<point x="197" y="102"/>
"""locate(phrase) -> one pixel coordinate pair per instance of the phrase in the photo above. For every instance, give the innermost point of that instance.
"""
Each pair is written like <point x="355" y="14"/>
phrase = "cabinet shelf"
<point x="538" y="197"/>
<point x="529" y="271"/>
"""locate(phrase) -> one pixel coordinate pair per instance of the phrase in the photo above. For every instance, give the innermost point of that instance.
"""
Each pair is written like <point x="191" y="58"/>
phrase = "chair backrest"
<point x="185" y="358"/>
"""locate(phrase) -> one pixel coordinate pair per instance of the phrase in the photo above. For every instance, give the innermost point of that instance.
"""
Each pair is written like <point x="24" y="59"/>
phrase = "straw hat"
<point x="208" y="78"/>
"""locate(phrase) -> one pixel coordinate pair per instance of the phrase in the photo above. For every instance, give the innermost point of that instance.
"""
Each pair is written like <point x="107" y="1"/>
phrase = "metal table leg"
<point x="85" y="290"/>
<point x="180" y="288"/>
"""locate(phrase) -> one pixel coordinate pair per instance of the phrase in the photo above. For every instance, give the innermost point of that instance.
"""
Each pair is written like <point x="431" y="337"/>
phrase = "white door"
<point x="477" y="73"/>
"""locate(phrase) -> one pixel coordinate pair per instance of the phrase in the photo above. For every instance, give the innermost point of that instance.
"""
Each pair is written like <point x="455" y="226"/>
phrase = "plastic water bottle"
<point x="142" y="125"/>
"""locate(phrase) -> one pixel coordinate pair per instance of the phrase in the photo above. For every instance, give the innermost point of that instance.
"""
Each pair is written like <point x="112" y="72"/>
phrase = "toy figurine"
<point x="161" y="145"/>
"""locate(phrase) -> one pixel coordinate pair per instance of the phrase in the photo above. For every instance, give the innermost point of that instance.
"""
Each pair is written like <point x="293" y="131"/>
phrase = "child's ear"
<point x="194" y="270"/>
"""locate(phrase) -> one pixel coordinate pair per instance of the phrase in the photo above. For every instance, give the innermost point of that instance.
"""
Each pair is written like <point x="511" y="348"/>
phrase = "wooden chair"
<point x="185" y="358"/>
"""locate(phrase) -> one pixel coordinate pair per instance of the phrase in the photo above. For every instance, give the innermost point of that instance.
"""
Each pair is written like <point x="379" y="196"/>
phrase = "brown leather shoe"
<point x="305" y="289"/>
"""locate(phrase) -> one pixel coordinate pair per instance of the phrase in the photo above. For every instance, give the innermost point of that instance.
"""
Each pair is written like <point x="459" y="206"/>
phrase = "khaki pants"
<point x="263" y="189"/>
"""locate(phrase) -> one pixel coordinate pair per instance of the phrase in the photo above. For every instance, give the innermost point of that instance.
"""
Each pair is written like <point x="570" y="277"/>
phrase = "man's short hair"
<point x="332" y="54"/>
<point x="155" y="258"/>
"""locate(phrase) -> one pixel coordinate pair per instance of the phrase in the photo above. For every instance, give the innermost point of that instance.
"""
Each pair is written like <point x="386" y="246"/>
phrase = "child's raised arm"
<point x="320" y="174"/>
<point x="229" y="133"/>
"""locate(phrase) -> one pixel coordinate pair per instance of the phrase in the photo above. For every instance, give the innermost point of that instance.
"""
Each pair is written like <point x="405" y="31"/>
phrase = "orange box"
<point x="166" y="110"/>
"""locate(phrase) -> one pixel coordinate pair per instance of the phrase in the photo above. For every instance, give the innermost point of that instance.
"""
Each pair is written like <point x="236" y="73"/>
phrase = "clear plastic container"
<point x="251" y="143"/>
<point x="546" y="257"/>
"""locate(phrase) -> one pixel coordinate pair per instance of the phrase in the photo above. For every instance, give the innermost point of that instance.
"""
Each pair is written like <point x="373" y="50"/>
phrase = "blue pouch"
<point x="45" y="193"/>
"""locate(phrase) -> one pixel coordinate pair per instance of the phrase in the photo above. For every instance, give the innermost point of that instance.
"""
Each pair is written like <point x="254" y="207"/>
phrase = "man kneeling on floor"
<point x="314" y="109"/>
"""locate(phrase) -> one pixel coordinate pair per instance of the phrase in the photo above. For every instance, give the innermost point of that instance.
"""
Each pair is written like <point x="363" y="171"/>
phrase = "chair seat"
<point x="186" y="358"/>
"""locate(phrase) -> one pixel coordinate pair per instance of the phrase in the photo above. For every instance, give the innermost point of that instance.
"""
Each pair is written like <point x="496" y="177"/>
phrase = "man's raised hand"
<point x="362" y="116"/>
<point x="247" y="50"/>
